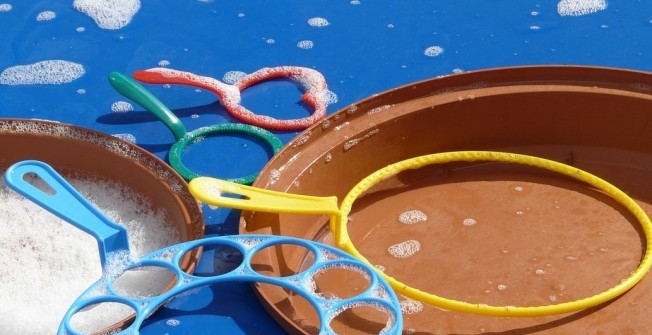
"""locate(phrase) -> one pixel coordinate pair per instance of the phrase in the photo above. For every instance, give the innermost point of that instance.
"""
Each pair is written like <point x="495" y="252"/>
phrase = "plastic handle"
<point x="211" y="190"/>
<point x="68" y="204"/>
<point x="139" y="94"/>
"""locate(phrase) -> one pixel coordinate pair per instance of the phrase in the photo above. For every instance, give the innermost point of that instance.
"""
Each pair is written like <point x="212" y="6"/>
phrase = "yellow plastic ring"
<point x="504" y="311"/>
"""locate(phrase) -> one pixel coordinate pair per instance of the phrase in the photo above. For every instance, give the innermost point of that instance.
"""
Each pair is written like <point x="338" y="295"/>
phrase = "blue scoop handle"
<point x="67" y="203"/>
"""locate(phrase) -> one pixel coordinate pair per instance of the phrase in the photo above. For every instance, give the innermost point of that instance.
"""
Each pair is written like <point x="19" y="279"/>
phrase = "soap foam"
<point x="46" y="16"/>
<point x="52" y="72"/>
<point x="404" y="249"/>
<point x="233" y="77"/>
<point x="318" y="22"/>
<point x="109" y="14"/>
<point x="121" y="107"/>
<point x="433" y="51"/>
<point x="47" y="263"/>
<point x="305" y="44"/>
<point x="580" y="7"/>
<point x="5" y="7"/>
<point x="412" y="217"/>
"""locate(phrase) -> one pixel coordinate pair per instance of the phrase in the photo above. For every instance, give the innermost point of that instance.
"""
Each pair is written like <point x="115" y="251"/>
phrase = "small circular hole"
<point x="282" y="260"/>
<point x="362" y="318"/>
<point x="101" y="318"/>
<point x="216" y="259"/>
<point x="144" y="282"/>
<point x="340" y="282"/>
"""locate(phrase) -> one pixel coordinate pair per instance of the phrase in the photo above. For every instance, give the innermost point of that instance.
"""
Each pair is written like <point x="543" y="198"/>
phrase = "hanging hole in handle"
<point x="38" y="182"/>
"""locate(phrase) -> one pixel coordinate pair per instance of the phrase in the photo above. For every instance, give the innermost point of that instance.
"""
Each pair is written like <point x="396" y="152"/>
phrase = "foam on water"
<point x="109" y="14"/>
<point x="47" y="263"/>
<point x="409" y="306"/>
<point x="305" y="44"/>
<point x="126" y="137"/>
<point x="52" y="72"/>
<point x="404" y="249"/>
<point x="580" y="7"/>
<point x="121" y="107"/>
<point x="5" y="7"/>
<point x="46" y="16"/>
<point x="433" y="51"/>
<point x="233" y="77"/>
<point x="412" y="217"/>
<point x="318" y="22"/>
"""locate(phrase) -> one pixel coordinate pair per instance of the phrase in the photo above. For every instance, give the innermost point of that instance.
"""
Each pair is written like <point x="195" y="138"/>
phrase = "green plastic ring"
<point x="178" y="148"/>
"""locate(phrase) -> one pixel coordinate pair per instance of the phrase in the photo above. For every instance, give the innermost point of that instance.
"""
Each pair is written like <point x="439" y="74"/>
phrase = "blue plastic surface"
<point x="367" y="48"/>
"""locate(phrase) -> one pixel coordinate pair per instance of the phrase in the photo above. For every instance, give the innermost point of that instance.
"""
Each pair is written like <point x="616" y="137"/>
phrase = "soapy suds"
<point x="580" y="7"/>
<point x="409" y="306"/>
<point x="109" y="14"/>
<point x="318" y="22"/>
<point x="47" y="263"/>
<point x="53" y="72"/>
<point x="404" y="249"/>
<point x="46" y="16"/>
<point x="305" y="44"/>
<point x="121" y="107"/>
<point x="412" y="217"/>
<point x="5" y="7"/>
<point x="433" y="51"/>
<point x="126" y="137"/>
<point x="164" y="62"/>
<point x="233" y="77"/>
<point x="352" y="143"/>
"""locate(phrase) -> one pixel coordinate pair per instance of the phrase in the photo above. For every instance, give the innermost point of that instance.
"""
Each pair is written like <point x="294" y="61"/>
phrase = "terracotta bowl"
<point x="76" y="151"/>
<point x="531" y="237"/>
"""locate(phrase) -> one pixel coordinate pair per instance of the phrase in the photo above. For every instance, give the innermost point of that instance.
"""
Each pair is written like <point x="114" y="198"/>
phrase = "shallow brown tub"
<point x="77" y="152"/>
<point x="495" y="233"/>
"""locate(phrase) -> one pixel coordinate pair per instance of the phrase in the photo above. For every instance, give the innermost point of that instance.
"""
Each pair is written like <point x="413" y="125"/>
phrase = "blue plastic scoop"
<point x="64" y="201"/>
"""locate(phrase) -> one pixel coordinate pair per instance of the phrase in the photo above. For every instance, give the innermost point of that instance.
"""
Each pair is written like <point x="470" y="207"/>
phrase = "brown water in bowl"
<point x="531" y="237"/>
<point x="75" y="151"/>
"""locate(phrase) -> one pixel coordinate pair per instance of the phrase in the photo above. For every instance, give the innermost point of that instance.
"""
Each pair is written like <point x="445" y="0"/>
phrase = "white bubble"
<point x="404" y="249"/>
<point x="535" y="27"/>
<point x="241" y="14"/>
<point x="501" y="287"/>
<point x="45" y="72"/>
<point x="580" y="7"/>
<point x="81" y="91"/>
<point x="126" y="137"/>
<point x="412" y="217"/>
<point x="121" y="107"/>
<point x="305" y="44"/>
<point x="172" y="322"/>
<point x="46" y="16"/>
<point x="5" y="7"/>
<point x="409" y="306"/>
<point x="270" y="41"/>
<point x="80" y="29"/>
<point x="433" y="51"/>
<point x="233" y="77"/>
<point x="355" y="2"/>
<point x="109" y="14"/>
<point x="318" y="22"/>
<point x="469" y="222"/>
<point x="164" y="62"/>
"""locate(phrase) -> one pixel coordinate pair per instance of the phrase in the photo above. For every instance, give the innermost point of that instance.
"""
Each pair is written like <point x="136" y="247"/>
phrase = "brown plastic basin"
<point x="539" y="238"/>
<point x="76" y="151"/>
